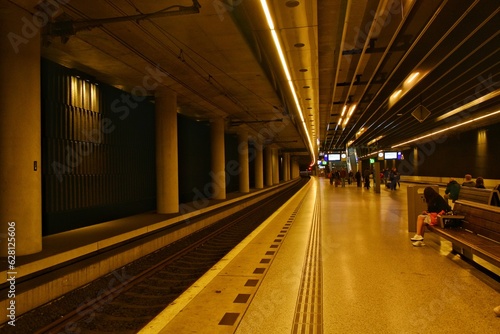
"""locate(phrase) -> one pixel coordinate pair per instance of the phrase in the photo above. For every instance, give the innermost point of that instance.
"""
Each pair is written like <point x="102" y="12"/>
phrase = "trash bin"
<point x="416" y="204"/>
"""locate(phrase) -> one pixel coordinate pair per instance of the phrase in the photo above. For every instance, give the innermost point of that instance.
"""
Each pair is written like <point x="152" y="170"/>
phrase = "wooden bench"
<point x="479" y="233"/>
<point x="478" y="195"/>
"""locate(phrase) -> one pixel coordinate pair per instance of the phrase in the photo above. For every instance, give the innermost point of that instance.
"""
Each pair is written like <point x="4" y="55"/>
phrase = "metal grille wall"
<point x="98" y="151"/>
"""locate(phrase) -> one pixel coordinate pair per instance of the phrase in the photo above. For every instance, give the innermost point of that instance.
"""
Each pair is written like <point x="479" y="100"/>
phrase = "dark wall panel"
<point x="252" y="152"/>
<point x="232" y="163"/>
<point x="98" y="150"/>
<point x="194" y="159"/>
<point x="473" y="152"/>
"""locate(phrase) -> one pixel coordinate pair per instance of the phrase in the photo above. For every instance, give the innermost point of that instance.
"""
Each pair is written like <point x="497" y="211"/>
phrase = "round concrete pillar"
<point x="167" y="175"/>
<point x="276" y="167"/>
<point x="259" y="166"/>
<point x="20" y="133"/>
<point x="286" y="166"/>
<point x="244" y="177"/>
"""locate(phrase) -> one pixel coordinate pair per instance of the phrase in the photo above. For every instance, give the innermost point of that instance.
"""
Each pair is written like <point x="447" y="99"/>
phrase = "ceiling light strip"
<point x="446" y="129"/>
<point x="277" y="44"/>
<point x="469" y="105"/>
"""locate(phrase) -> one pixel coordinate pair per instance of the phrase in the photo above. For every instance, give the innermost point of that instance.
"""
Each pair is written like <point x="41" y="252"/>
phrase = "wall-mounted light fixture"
<point x="447" y="129"/>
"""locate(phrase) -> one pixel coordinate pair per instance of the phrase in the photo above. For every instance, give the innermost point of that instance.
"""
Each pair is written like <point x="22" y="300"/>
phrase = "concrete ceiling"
<point x="221" y="61"/>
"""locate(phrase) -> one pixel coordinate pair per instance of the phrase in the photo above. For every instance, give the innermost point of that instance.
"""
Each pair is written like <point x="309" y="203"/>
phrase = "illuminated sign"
<point x="390" y="155"/>
<point x="334" y="157"/>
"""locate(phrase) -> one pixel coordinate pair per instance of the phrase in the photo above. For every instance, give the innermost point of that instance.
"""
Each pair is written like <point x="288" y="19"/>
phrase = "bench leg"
<point x="465" y="252"/>
<point x="457" y="249"/>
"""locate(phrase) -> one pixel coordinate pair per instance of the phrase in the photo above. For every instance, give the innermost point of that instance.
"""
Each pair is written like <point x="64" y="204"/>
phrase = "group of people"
<point x="453" y="187"/>
<point x="390" y="177"/>
<point x="340" y="177"/>
<point x="437" y="204"/>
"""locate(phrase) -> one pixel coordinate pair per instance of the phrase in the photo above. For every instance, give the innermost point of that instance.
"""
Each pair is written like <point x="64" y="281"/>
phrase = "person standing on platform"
<point x="358" y="178"/>
<point x="336" y="176"/>
<point x="468" y="181"/>
<point x="389" y="180"/>
<point x="343" y="175"/>
<point x="452" y="190"/>
<point x="366" y="177"/>
<point x="435" y="204"/>
<point x="393" y="178"/>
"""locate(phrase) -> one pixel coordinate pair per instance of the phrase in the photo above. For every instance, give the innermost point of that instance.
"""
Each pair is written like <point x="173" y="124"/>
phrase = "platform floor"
<point x="337" y="260"/>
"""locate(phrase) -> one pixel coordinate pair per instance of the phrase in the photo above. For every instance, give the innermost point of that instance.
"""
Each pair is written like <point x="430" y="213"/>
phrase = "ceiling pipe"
<point x="65" y="29"/>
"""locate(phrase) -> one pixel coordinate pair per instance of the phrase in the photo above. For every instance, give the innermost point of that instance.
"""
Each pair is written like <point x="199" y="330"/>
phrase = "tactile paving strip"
<point x="309" y="309"/>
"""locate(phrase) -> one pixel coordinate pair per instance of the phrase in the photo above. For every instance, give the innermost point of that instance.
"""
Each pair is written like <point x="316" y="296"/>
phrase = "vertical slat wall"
<point x="231" y="156"/>
<point x="194" y="160"/>
<point x="98" y="152"/>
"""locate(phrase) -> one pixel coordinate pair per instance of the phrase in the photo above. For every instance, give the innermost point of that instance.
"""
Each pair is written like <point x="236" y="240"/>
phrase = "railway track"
<point x="127" y="299"/>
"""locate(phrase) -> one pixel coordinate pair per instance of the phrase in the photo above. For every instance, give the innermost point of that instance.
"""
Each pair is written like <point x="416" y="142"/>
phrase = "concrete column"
<point x="218" y="172"/>
<point x="276" y="167"/>
<point x="167" y="176"/>
<point x="376" y="177"/>
<point x="269" y="166"/>
<point x="289" y="167"/>
<point x="244" y="176"/>
<point x="283" y="166"/>
<point x="259" y="166"/>
<point x="286" y="166"/>
<point x="20" y="134"/>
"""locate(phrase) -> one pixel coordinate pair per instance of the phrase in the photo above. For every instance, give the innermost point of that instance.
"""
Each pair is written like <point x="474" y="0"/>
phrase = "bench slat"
<point x="479" y="233"/>
<point x="480" y="219"/>
<point x="479" y="195"/>
<point x="482" y="247"/>
<point x="489" y="253"/>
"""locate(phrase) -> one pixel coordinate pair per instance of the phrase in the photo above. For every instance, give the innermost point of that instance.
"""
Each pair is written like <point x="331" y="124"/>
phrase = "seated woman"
<point x="436" y="204"/>
<point x="480" y="183"/>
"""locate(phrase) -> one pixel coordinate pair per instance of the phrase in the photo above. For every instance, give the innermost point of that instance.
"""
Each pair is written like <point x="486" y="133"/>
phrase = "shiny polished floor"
<point x="338" y="260"/>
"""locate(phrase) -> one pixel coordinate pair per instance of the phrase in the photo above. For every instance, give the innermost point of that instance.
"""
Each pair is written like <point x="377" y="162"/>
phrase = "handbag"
<point x="451" y="220"/>
<point x="434" y="219"/>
